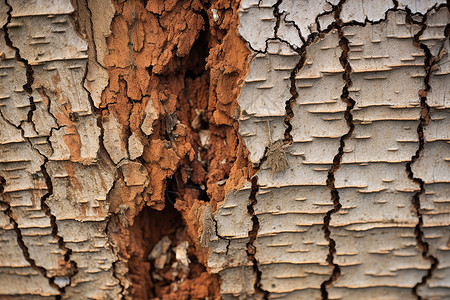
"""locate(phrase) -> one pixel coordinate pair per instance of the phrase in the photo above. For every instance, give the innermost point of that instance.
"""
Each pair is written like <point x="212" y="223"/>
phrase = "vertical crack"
<point x="216" y="228"/>
<point x="71" y="265"/>
<point x="277" y="15"/>
<point x="290" y="103"/>
<point x="288" y="139"/>
<point x="330" y="182"/>
<point x="28" y="69"/>
<point x="20" y="241"/>
<point x="424" y="120"/>
<point x="91" y="24"/>
<point x="252" y="234"/>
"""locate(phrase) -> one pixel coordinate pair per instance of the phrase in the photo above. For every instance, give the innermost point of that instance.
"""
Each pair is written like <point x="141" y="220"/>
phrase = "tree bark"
<point x="215" y="149"/>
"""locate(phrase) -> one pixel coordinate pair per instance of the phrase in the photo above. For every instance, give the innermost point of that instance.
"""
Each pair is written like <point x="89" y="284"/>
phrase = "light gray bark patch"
<point x="375" y="130"/>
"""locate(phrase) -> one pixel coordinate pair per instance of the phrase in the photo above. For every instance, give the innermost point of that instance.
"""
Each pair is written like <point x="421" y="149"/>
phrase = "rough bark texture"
<point x="214" y="149"/>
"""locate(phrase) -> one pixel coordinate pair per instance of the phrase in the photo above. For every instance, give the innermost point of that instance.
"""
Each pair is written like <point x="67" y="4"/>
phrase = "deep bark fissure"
<point x="424" y="120"/>
<point x="290" y="103"/>
<point x="277" y="15"/>
<point x="330" y="182"/>
<point x="176" y="186"/>
<point x="252" y="235"/>
<point x="194" y="69"/>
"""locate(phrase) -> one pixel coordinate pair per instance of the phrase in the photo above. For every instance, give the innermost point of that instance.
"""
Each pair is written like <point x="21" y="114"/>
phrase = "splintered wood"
<point x="344" y="113"/>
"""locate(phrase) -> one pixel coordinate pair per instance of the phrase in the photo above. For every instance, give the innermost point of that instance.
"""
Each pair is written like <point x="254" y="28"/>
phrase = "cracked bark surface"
<point x="375" y="244"/>
<point x="194" y="149"/>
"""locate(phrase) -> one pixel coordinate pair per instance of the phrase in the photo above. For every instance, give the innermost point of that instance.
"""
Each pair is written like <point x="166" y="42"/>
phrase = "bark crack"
<point x="216" y="228"/>
<point x="277" y="15"/>
<point x="330" y="182"/>
<point x="29" y="70"/>
<point x="302" y="51"/>
<point x="8" y="212"/>
<point x="72" y="266"/>
<point x="290" y="103"/>
<point x="86" y="3"/>
<point x="424" y="120"/>
<point x="252" y="235"/>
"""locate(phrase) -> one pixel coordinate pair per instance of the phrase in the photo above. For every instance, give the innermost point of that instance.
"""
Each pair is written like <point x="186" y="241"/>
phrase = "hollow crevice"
<point x="159" y="272"/>
<point x="330" y="182"/>
<point x="197" y="143"/>
<point x="189" y="88"/>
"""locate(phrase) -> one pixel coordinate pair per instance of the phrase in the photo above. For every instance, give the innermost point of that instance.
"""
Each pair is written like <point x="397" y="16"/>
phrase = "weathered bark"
<point x="206" y="149"/>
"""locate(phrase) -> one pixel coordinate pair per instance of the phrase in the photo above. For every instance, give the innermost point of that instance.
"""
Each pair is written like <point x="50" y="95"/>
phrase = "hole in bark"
<point x="197" y="58"/>
<point x="176" y="183"/>
<point x="150" y="70"/>
<point x="156" y="270"/>
<point x="200" y="188"/>
<point x="171" y="192"/>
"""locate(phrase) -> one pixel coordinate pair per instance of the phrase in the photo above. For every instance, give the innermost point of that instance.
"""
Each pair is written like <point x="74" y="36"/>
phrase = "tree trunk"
<point x="216" y="149"/>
